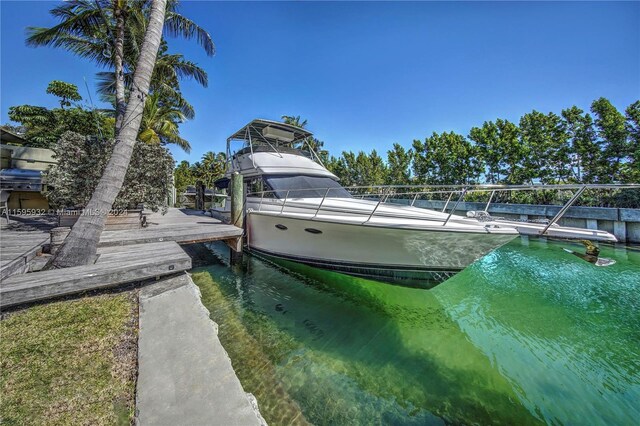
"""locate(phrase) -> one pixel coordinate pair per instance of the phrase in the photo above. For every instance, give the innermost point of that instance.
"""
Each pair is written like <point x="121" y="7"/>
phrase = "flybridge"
<point x="273" y="137"/>
<point x="269" y="131"/>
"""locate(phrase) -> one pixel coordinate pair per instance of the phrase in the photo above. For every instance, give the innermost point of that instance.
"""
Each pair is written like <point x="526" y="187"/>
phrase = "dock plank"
<point x="130" y="264"/>
<point x="124" y="256"/>
<point x="17" y="248"/>
<point x="181" y="226"/>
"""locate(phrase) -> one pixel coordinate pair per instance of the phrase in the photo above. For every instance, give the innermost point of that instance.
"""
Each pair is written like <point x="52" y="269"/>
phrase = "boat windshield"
<point x="305" y="186"/>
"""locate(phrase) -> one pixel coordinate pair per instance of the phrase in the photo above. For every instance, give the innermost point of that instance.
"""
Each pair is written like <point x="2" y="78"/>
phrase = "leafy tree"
<point x="399" y="165"/>
<point x="160" y="123"/>
<point x="445" y="159"/>
<point x="559" y="151"/>
<point x="585" y="147"/>
<point x="545" y="148"/>
<point x="632" y="168"/>
<point x="487" y="142"/>
<point x="169" y="70"/>
<point x="67" y="92"/>
<point x="511" y="151"/>
<point x="183" y="176"/>
<point x="43" y="127"/>
<point x="371" y="169"/>
<point x="82" y="160"/>
<point x="360" y="170"/>
<point x="211" y="167"/>
<point x="338" y="166"/>
<point x="111" y="33"/>
<point x="106" y="32"/>
<point x="499" y="151"/>
<point x="81" y="244"/>
<point x="610" y="126"/>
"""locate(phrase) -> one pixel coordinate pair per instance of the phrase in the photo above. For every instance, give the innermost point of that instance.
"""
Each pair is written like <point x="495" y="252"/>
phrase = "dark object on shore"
<point x="591" y="254"/>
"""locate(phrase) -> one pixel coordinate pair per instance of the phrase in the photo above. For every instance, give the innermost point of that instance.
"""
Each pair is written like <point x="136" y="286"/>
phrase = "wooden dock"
<point x="17" y="248"/>
<point x="124" y="256"/>
<point x="114" y="266"/>
<point x="179" y="225"/>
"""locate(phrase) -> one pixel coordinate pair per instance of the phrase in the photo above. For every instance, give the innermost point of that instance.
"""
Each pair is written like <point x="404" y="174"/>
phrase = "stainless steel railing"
<point x="382" y="193"/>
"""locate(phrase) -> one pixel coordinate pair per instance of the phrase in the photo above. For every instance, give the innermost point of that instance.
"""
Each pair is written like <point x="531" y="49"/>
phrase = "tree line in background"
<point x="207" y="170"/>
<point x="600" y="146"/>
<point x="574" y="147"/>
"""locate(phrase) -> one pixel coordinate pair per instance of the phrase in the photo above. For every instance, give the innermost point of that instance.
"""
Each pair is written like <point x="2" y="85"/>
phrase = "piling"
<point x="237" y="214"/>
<point x="200" y="188"/>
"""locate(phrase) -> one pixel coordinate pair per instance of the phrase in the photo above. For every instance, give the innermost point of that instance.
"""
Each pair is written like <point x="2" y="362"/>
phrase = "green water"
<point x="529" y="334"/>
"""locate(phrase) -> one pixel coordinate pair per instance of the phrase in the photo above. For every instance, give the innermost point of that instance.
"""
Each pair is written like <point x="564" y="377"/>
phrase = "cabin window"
<point x="305" y="186"/>
<point x="255" y="186"/>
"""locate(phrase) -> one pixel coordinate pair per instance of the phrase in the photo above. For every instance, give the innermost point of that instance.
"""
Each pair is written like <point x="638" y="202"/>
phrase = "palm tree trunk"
<point x="80" y="246"/>
<point x="121" y="104"/>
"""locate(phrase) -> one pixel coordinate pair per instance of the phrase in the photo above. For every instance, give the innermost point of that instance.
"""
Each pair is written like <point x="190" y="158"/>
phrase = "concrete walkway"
<point x="185" y="375"/>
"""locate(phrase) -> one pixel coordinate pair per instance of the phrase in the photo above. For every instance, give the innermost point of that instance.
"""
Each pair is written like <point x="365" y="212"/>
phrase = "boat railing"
<point x="382" y="193"/>
<point x="276" y="146"/>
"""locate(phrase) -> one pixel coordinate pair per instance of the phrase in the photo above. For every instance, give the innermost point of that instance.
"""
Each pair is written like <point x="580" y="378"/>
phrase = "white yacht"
<point x="297" y="210"/>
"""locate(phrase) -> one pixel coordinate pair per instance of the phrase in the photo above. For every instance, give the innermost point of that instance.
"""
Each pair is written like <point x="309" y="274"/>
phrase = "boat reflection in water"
<point x="506" y="341"/>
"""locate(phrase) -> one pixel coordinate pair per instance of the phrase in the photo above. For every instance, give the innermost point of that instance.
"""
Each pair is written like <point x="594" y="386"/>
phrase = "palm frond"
<point x="148" y="136"/>
<point x="182" y="143"/>
<point x="188" y="69"/>
<point x="83" y="23"/>
<point x="177" y="25"/>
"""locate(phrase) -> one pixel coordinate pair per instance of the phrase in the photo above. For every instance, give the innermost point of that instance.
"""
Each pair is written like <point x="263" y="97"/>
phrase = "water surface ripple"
<point x="529" y="334"/>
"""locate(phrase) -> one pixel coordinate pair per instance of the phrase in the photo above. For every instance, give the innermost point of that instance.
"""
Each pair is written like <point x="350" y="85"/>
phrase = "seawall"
<point x="623" y="223"/>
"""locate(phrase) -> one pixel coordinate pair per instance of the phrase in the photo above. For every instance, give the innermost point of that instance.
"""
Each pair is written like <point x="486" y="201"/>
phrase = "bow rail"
<point x="382" y="193"/>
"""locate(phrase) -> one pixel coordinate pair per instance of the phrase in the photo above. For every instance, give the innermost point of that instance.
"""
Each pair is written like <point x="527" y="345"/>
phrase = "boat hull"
<point x="407" y="256"/>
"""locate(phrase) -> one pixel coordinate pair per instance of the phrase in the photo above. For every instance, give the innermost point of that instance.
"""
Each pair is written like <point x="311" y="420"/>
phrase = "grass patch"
<point x="70" y="362"/>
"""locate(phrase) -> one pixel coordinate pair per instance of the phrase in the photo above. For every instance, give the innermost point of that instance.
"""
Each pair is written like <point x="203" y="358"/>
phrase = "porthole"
<point x="282" y="227"/>
<point x="313" y="230"/>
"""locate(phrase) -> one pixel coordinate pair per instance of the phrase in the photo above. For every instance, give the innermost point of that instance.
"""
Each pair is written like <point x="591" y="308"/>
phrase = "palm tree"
<point x="169" y="70"/>
<point x="110" y="32"/>
<point x="80" y="246"/>
<point x="160" y="123"/>
<point x="294" y="120"/>
<point x="212" y="167"/>
<point x="314" y="144"/>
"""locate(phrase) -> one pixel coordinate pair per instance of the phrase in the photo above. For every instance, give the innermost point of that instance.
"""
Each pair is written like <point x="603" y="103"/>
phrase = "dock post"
<point x="237" y="214"/>
<point x="200" y="188"/>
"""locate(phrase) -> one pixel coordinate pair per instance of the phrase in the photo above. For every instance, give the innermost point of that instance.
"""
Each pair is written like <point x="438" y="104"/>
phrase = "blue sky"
<point x="366" y="75"/>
